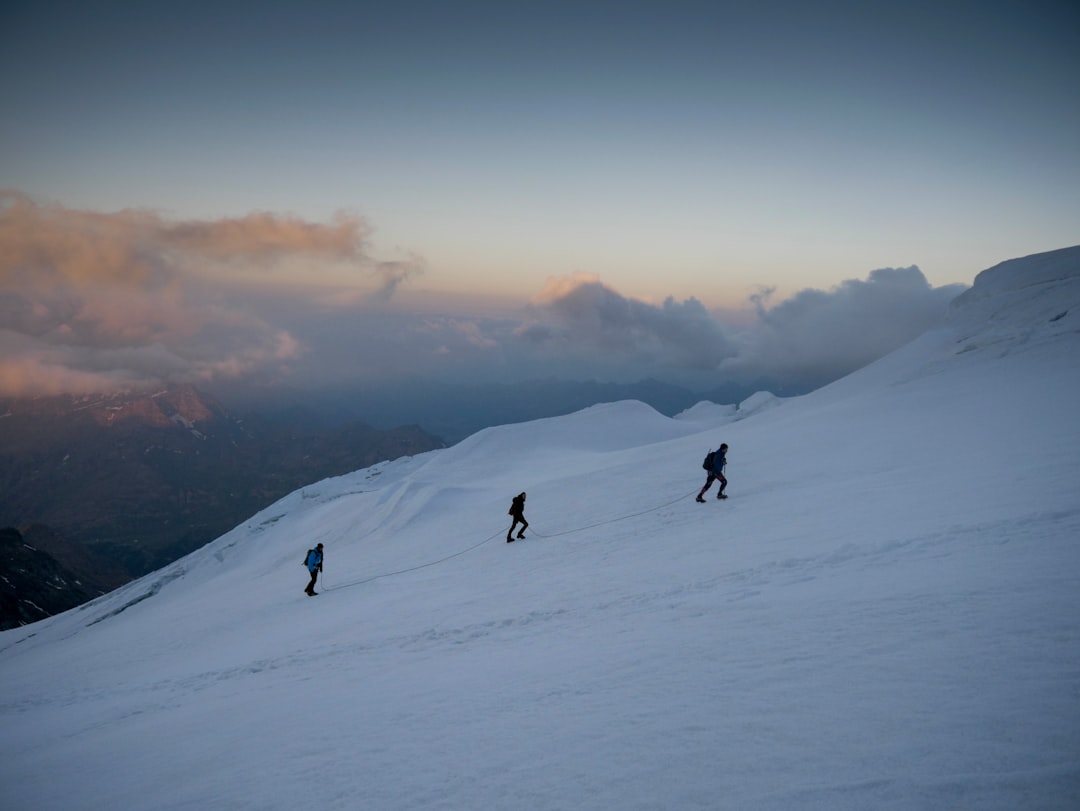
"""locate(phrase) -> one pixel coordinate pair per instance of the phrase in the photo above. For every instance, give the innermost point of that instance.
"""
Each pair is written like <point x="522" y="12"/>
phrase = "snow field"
<point x="883" y="615"/>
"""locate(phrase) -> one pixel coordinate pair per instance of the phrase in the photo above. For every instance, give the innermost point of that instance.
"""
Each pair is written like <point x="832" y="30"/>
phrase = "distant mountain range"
<point x="455" y="411"/>
<point x="110" y="487"/>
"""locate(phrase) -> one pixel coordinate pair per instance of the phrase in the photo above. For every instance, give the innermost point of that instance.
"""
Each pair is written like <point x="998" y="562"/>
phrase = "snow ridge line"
<point x="146" y="595"/>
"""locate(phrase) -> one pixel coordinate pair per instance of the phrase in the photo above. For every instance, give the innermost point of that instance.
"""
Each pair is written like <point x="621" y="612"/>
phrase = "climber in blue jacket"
<point x="314" y="564"/>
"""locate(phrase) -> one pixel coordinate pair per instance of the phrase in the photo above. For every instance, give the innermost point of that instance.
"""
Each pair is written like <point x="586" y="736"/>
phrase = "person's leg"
<point x="524" y="526"/>
<point x="723" y="484"/>
<point x="311" y="586"/>
<point x="708" y="484"/>
<point x="510" y="532"/>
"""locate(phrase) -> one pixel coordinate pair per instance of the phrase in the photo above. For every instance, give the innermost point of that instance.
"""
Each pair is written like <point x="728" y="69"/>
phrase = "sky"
<point x="465" y="168"/>
<point x="882" y="615"/>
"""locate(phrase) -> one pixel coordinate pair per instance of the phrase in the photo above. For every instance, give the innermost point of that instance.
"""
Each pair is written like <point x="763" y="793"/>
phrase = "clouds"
<point x="393" y="274"/>
<point x="92" y="301"/>
<point x="578" y="327"/>
<point x="818" y="336"/>
<point x="806" y="341"/>
<point x="581" y="315"/>
<point x="262" y="237"/>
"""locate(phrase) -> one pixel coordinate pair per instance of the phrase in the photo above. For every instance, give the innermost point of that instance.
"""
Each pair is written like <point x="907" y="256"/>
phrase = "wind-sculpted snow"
<point x="885" y="614"/>
<point x="155" y="586"/>
<point x="709" y="414"/>
<point x="1019" y="305"/>
<point x="1024" y="273"/>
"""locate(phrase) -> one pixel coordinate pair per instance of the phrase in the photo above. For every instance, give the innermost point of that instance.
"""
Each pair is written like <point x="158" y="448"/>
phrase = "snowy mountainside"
<point x="884" y="614"/>
<point x="1020" y="303"/>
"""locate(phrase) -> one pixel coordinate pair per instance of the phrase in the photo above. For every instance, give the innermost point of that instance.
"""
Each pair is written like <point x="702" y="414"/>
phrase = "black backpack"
<point x="308" y="555"/>
<point x="707" y="464"/>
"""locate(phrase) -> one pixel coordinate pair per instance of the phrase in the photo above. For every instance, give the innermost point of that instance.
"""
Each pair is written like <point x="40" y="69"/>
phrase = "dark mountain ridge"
<point x="131" y="482"/>
<point x="34" y="585"/>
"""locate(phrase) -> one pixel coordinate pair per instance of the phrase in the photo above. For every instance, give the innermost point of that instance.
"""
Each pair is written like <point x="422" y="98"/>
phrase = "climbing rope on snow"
<point x="490" y="538"/>
<point x="411" y="568"/>
<point x="610" y="520"/>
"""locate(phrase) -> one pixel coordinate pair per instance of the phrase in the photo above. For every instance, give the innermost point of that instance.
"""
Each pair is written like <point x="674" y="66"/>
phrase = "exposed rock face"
<point x="33" y="585"/>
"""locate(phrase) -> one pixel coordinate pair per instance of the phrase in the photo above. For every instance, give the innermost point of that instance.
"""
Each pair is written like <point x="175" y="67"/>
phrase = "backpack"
<point x="306" y="557"/>
<point x="707" y="464"/>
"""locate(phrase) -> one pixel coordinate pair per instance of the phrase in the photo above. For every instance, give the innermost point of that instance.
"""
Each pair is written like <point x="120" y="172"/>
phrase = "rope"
<point x="490" y="538"/>
<point x="411" y="568"/>
<point x="612" y="520"/>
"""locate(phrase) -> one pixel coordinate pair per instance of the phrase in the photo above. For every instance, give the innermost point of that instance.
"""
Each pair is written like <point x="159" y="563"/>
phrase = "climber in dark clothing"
<point x="517" y="510"/>
<point x="716" y="473"/>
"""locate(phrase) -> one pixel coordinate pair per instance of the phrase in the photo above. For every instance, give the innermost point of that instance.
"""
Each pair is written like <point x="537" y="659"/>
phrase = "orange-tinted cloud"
<point x="95" y="301"/>
<point x="264" y="236"/>
<point x="92" y="302"/>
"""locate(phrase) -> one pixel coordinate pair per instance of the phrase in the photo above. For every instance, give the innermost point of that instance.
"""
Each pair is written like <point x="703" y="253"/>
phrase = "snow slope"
<point x="884" y="615"/>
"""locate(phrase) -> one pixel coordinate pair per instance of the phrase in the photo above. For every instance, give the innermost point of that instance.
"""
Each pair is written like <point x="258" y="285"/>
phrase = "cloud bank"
<point x="581" y="315"/>
<point x="818" y="336"/>
<point x="94" y="302"/>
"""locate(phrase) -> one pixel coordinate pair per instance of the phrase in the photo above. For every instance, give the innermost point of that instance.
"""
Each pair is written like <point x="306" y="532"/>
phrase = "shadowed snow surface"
<point x="885" y="614"/>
